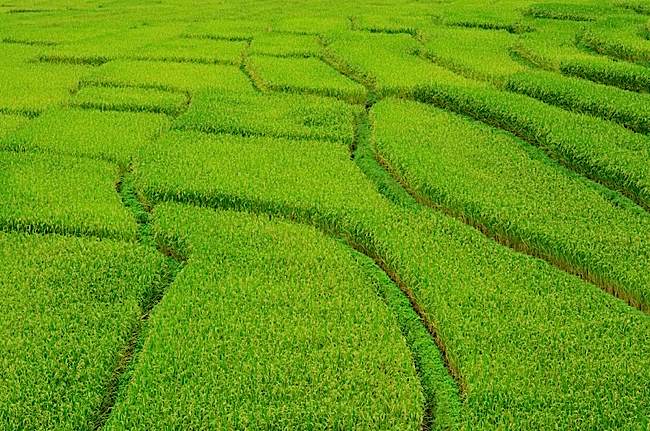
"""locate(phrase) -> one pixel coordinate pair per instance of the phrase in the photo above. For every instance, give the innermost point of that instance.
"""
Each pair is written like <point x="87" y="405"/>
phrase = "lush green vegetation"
<point x="284" y="332"/>
<point x="113" y="136"/>
<point x="293" y="116"/>
<point x="162" y="75"/>
<point x="385" y="63"/>
<point x="130" y="99"/>
<point x="599" y="149"/>
<point x="325" y="215"/>
<point x="311" y="177"/>
<point x="529" y="202"/>
<point x="46" y="193"/>
<point x="473" y="52"/>
<point x="625" y="107"/>
<point x="303" y="75"/>
<point x="70" y="307"/>
<point x="286" y="45"/>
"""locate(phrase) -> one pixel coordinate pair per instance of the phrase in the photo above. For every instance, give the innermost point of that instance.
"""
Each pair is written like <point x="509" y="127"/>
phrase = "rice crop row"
<point x="36" y="87"/>
<point x="598" y="149"/>
<point x="553" y="47"/>
<point x="161" y="75"/>
<point x="565" y="11"/>
<point x="628" y="108"/>
<point x="618" y="38"/>
<point x="514" y="193"/>
<point x="191" y="50"/>
<point x="9" y="123"/>
<point x="512" y="375"/>
<point x="279" y="115"/>
<point x="285" y="45"/>
<point x="386" y="63"/>
<point x="112" y="136"/>
<point x="45" y="193"/>
<point x="130" y="99"/>
<point x="270" y="169"/>
<point x="624" y="75"/>
<point x="69" y="307"/>
<point x="285" y="331"/>
<point x="475" y="53"/>
<point x="303" y="75"/>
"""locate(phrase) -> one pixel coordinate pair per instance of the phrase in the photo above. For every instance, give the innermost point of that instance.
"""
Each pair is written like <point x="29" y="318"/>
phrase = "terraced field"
<point x="372" y="215"/>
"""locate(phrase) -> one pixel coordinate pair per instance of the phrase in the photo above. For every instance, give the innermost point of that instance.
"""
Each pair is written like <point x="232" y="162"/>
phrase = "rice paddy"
<point x="386" y="215"/>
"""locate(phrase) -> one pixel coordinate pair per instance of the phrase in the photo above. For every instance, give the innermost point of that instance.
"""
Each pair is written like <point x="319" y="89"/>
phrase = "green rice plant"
<point x="194" y="50"/>
<point x="481" y="14"/>
<point x="534" y="348"/>
<point x="303" y="75"/>
<point x="630" y="109"/>
<point x="285" y="45"/>
<point x="285" y="330"/>
<point x="130" y="99"/>
<point x="620" y="38"/>
<point x="225" y="29"/>
<point x="598" y="149"/>
<point x="552" y="44"/>
<point x="528" y="202"/>
<point x="102" y="47"/>
<point x="638" y="6"/>
<point x="514" y="27"/>
<point x="472" y="52"/>
<point x="32" y="88"/>
<point x="310" y="24"/>
<point x="627" y="76"/>
<point x="567" y="11"/>
<point x="386" y="63"/>
<point x="519" y="375"/>
<point x="112" y="136"/>
<point x="280" y="115"/>
<point x="442" y="402"/>
<point x="15" y="54"/>
<point x="161" y="75"/>
<point x="70" y="307"/>
<point x="206" y="169"/>
<point x="60" y="194"/>
<point x="553" y="47"/>
<point x="391" y="23"/>
<point x="10" y="123"/>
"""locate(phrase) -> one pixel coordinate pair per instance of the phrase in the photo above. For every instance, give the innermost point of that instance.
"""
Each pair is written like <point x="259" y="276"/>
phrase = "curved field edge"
<point x="194" y="242"/>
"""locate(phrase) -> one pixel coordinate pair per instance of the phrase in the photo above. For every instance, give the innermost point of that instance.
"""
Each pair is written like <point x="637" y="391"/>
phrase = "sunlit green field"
<point x="370" y="215"/>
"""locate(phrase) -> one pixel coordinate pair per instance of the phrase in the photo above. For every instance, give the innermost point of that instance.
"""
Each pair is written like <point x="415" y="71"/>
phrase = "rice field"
<point x="373" y="215"/>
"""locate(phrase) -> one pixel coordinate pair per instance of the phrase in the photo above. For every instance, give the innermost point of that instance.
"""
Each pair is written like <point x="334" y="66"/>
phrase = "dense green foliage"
<point x="303" y="75"/>
<point x="193" y="50"/>
<point x="284" y="332"/>
<point x="620" y="74"/>
<point x="625" y="107"/>
<point x="598" y="149"/>
<point x="161" y="75"/>
<point x="286" y="45"/>
<point x="472" y="52"/>
<point x="47" y="193"/>
<point x="114" y="136"/>
<point x="386" y="63"/>
<point x="130" y="99"/>
<point x="528" y="201"/>
<point x="10" y="123"/>
<point x="33" y="88"/>
<point x="312" y="177"/>
<point x="390" y="236"/>
<point x="293" y="116"/>
<point x="69" y="307"/>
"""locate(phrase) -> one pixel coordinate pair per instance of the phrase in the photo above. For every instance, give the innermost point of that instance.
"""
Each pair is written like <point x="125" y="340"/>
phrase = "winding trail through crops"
<point x="176" y="262"/>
